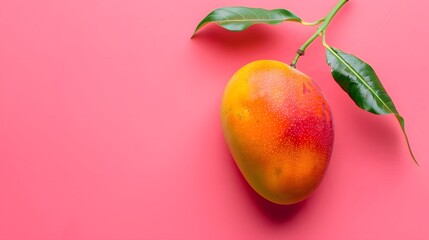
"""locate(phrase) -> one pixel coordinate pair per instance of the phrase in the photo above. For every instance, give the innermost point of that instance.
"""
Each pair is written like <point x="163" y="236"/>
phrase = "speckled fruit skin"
<point x="278" y="127"/>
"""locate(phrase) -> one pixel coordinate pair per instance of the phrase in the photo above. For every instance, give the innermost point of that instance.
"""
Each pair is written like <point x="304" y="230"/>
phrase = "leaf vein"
<point x="360" y="78"/>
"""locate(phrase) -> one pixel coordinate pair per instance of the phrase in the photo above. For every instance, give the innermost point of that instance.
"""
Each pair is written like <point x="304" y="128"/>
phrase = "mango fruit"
<point x="279" y="130"/>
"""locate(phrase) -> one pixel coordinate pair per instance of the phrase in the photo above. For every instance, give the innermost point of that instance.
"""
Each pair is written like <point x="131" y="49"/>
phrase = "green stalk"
<point x="320" y="29"/>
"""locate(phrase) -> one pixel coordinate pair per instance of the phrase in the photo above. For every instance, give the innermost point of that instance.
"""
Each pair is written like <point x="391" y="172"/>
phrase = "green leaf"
<point x="240" y="18"/>
<point x="362" y="84"/>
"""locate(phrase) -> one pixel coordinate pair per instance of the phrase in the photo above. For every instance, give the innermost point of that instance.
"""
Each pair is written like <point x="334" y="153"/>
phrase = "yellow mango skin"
<point x="278" y="127"/>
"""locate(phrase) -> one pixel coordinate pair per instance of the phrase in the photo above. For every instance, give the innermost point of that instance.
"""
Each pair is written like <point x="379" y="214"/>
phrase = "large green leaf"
<point x="240" y="18"/>
<point x="362" y="84"/>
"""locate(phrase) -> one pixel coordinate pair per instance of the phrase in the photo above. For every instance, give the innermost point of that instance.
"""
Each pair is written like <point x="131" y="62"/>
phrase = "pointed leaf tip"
<point x="240" y="18"/>
<point x="359" y="80"/>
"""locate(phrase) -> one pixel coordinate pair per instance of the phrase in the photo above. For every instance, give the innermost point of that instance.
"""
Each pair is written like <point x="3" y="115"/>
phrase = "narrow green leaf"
<point x="240" y="18"/>
<point x="359" y="80"/>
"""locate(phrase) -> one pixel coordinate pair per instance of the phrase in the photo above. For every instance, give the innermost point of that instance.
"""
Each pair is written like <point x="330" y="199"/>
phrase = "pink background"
<point x="110" y="127"/>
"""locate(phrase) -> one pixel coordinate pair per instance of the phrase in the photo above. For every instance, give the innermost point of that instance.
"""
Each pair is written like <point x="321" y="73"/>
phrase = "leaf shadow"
<point x="381" y="132"/>
<point x="218" y="37"/>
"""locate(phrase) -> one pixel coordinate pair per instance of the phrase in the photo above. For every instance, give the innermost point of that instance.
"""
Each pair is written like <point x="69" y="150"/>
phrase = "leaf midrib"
<point x="360" y="78"/>
<point x="246" y="20"/>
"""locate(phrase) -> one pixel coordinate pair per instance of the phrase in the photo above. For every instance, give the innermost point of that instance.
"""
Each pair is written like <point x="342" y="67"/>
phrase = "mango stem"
<point x="325" y="22"/>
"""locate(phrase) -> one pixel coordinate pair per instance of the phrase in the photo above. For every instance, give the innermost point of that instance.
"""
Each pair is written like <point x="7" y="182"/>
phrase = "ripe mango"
<point x="278" y="127"/>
